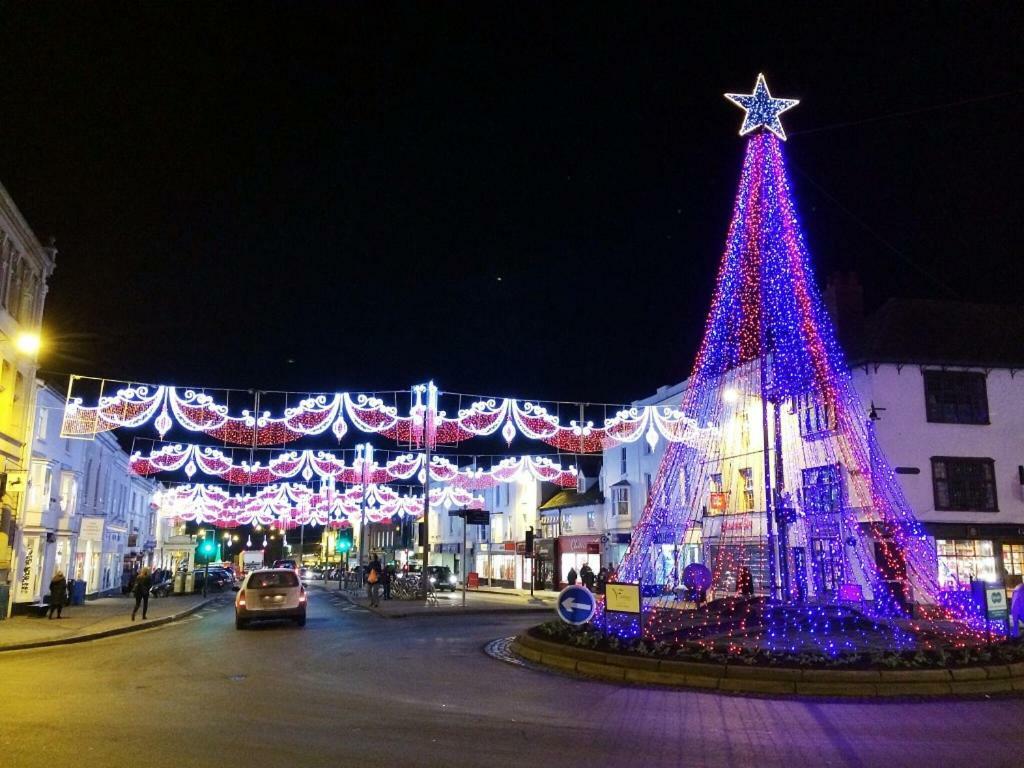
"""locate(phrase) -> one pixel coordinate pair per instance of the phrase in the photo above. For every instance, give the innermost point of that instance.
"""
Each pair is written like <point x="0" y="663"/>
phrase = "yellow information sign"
<point x="624" y="598"/>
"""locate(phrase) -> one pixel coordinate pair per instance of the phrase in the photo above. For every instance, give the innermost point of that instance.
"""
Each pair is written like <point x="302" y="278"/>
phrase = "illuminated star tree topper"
<point x="762" y="109"/>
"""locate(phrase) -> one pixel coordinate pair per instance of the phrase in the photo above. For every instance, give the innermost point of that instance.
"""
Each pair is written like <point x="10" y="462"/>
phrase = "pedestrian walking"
<point x="386" y="578"/>
<point x="602" y="580"/>
<point x="373" y="578"/>
<point x="571" y="576"/>
<point x="1017" y="608"/>
<point x="141" y="591"/>
<point x="58" y="593"/>
<point x="587" y="576"/>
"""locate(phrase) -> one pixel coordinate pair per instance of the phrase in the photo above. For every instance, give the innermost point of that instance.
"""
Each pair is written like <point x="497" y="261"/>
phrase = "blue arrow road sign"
<point x="575" y="605"/>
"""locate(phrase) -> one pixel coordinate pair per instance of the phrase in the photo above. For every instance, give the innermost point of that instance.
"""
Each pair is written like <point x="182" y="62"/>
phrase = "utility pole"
<point x="465" y="524"/>
<point x="426" y="509"/>
<point x="361" y="451"/>
<point x="206" y="556"/>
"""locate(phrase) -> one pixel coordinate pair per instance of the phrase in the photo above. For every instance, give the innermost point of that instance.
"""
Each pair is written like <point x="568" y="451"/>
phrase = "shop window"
<point x="620" y="499"/>
<point x="821" y="492"/>
<point x="964" y="484"/>
<point x="747" y="481"/>
<point x="956" y="397"/>
<point x="1013" y="561"/>
<point x="963" y="560"/>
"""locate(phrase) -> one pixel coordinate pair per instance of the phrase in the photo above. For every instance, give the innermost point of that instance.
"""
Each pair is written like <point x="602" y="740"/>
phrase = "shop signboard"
<point x="719" y="501"/>
<point x="623" y="598"/>
<point x="91" y="529"/>
<point x="995" y="603"/>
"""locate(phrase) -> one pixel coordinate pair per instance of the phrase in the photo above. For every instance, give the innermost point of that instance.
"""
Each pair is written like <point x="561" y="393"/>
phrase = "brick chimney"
<point x="844" y="299"/>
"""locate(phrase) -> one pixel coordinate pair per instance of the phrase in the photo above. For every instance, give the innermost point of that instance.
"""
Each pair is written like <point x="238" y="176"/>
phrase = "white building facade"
<point x="85" y="514"/>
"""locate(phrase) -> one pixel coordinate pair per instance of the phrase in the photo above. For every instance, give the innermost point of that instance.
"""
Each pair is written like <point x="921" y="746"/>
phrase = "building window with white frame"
<point x="747" y="483"/>
<point x="622" y="461"/>
<point x="591" y="518"/>
<point x="620" y="500"/>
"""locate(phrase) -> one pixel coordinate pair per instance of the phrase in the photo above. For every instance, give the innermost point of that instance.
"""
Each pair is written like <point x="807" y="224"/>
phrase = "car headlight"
<point x="433" y="580"/>
<point x="452" y="580"/>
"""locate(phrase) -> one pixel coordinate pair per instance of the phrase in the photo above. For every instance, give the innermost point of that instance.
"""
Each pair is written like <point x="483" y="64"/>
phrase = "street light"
<point x="28" y="343"/>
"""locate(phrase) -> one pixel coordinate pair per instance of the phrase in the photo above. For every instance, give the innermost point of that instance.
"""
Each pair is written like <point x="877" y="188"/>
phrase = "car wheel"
<point x="240" y="623"/>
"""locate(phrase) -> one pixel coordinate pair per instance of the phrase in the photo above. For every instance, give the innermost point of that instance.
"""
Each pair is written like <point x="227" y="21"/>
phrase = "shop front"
<point x="87" y="554"/>
<point x="574" y="552"/>
<point x="545" y="554"/>
<point x="991" y="553"/>
<point x="614" y="546"/>
<point x="448" y="554"/>
<point x="499" y="565"/>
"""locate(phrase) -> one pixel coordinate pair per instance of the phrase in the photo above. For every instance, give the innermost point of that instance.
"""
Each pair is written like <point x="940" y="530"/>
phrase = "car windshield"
<point x="273" y="580"/>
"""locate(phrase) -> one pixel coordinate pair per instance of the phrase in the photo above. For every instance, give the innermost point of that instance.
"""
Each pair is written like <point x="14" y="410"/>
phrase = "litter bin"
<point x="78" y="592"/>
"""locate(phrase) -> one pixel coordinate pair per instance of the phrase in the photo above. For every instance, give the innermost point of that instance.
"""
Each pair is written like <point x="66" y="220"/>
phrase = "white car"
<point x="272" y="593"/>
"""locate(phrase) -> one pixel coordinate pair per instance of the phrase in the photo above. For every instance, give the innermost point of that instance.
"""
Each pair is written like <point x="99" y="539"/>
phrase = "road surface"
<point x="354" y="689"/>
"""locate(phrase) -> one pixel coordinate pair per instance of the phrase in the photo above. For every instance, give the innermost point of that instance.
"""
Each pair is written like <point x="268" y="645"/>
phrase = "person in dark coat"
<point x="58" y="593"/>
<point x="141" y="591"/>
<point x="587" y="576"/>
<point x="385" y="580"/>
<point x="571" y="576"/>
<point x="602" y="580"/>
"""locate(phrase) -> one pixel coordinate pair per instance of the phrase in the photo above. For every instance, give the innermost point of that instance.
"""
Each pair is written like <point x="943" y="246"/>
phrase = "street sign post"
<point x="622" y="598"/>
<point x="469" y="517"/>
<point x="575" y="605"/>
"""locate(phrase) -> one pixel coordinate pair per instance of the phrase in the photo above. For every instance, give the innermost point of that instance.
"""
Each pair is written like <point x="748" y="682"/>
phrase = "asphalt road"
<point x="353" y="689"/>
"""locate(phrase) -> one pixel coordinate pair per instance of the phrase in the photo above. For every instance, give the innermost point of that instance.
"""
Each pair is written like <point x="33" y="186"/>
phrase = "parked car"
<point x="441" y="577"/>
<point x="275" y="593"/>
<point x="218" y="580"/>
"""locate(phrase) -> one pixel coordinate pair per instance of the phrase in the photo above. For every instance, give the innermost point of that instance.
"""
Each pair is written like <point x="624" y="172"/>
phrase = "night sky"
<point x="528" y="202"/>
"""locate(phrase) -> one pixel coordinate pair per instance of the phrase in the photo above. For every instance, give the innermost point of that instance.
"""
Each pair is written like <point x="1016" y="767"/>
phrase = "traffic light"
<point x="206" y="551"/>
<point x="343" y="543"/>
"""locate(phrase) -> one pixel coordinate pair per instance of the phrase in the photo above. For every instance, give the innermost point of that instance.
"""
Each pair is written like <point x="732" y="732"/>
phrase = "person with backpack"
<point x="373" y="579"/>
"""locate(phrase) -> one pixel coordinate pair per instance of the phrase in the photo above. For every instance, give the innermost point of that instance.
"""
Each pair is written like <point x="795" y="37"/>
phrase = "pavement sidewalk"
<point x="97" y="618"/>
<point x="450" y="603"/>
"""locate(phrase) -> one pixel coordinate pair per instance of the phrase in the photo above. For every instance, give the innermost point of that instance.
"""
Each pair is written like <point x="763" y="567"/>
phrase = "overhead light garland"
<point x="326" y="465"/>
<point x="293" y="504"/>
<point x="135" y="405"/>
